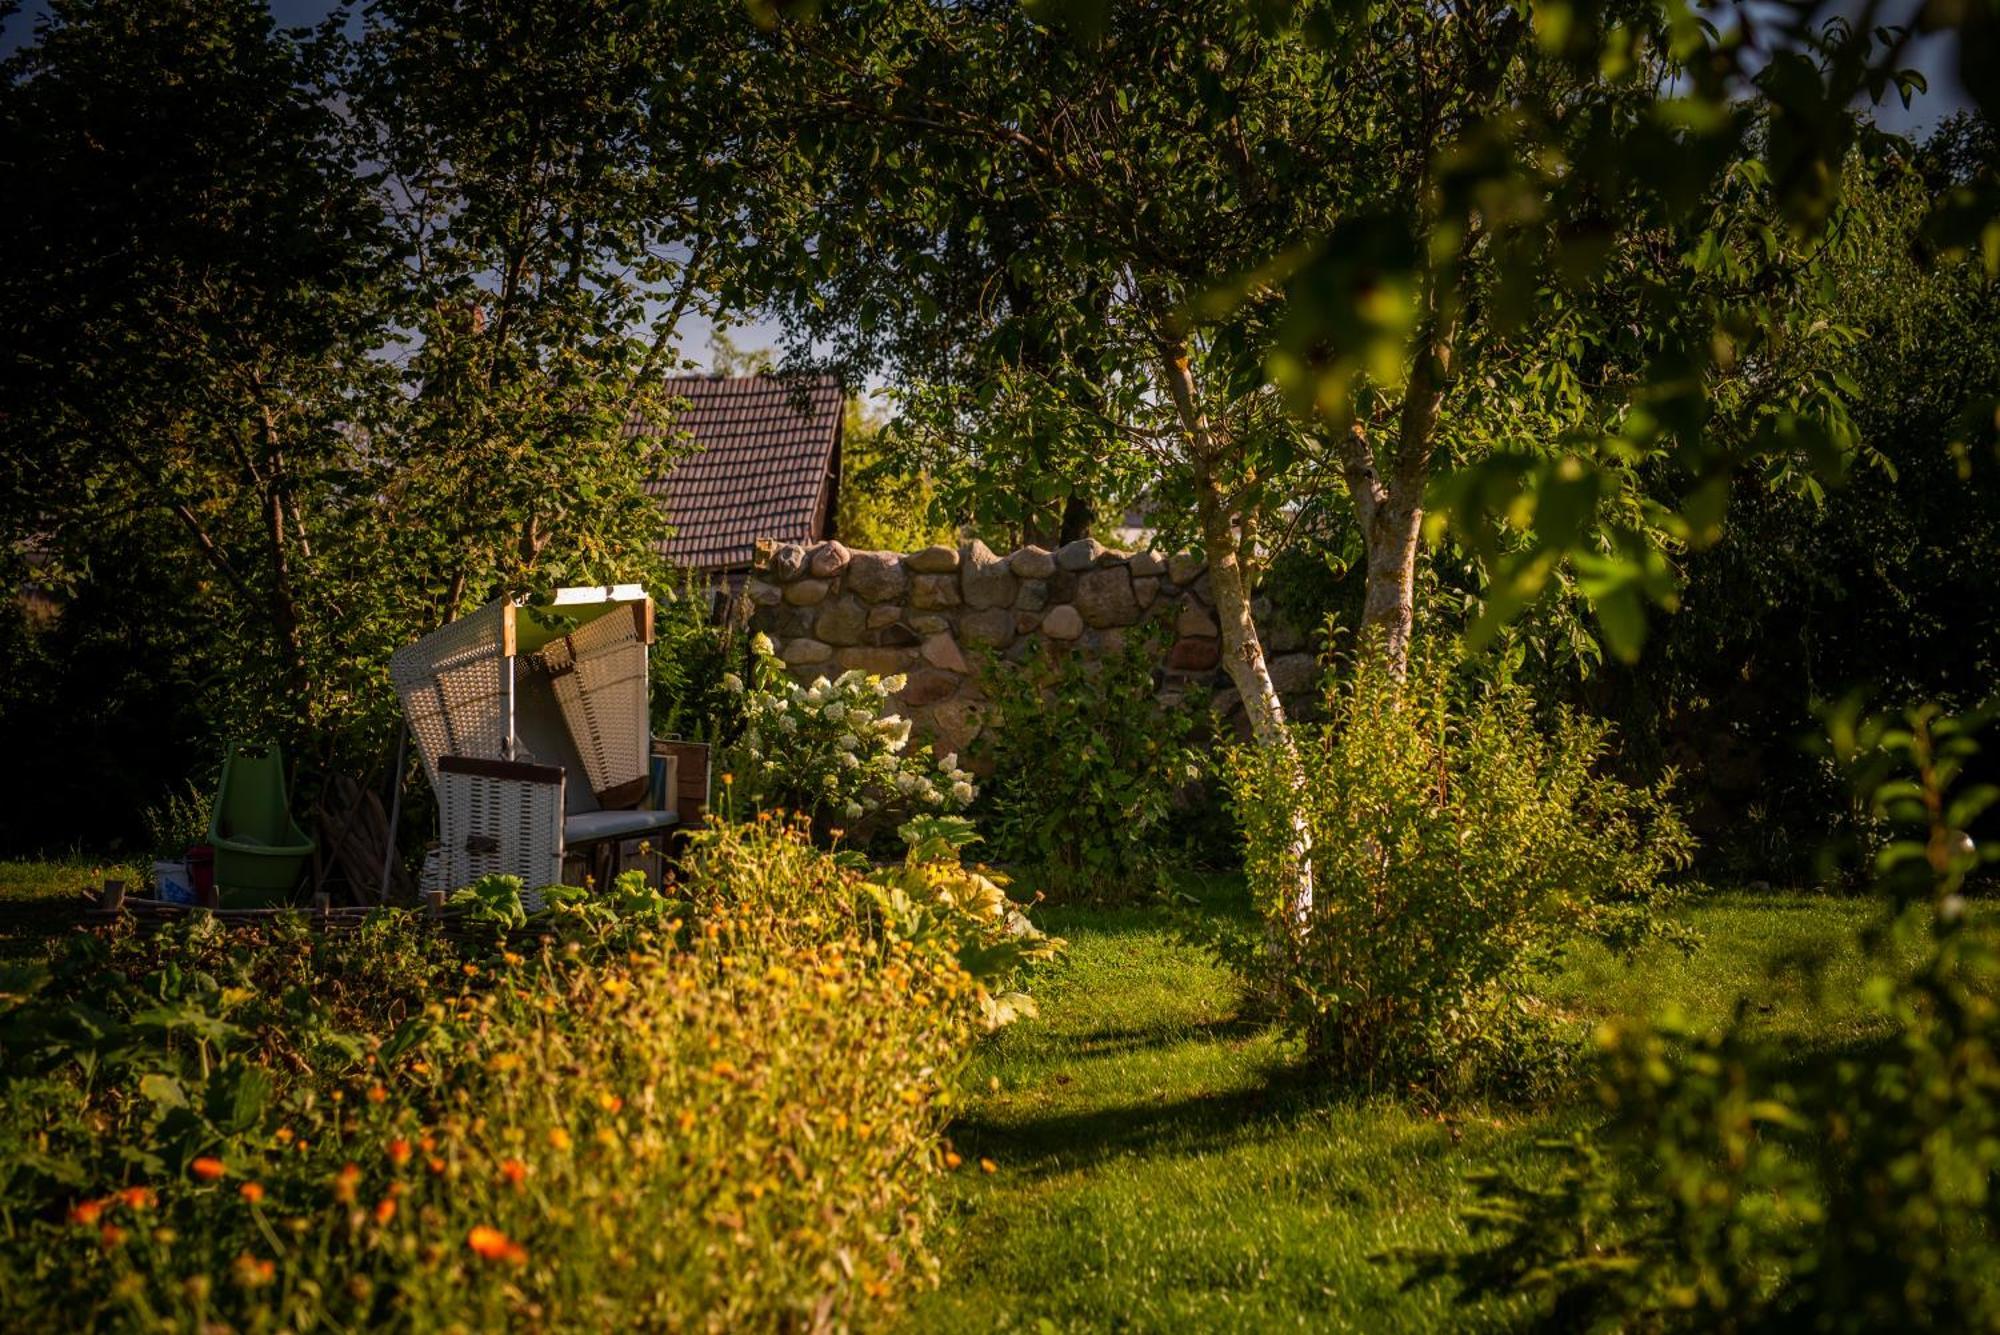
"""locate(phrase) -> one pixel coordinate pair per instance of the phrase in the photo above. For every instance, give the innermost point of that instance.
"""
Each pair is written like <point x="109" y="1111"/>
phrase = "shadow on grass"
<point x="1068" y="1140"/>
<point x="1119" y="1042"/>
<point x="1281" y="1096"/>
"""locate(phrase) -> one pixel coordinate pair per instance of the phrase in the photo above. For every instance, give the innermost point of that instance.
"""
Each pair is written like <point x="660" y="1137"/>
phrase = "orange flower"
<point x="344" y="1182"/>
<point x="558" y="1138"/>
<point x="399" y="1152"/>
<point x="254" y="1272"/>
<point x="952" y="1159"/>
<point x="137" y="1198"/>
<point x="494" y="1245"/>
<point x="435" y="1165"/>
<point x="86" y="1212"/>
<point x="111" y="1236"/>
<point x="988" y="1166"/>
<point x="377" y="1094"/>
<point x="251" y="1192"/>
<point x="514" y="1171"/>
<point x="385" y="1209"/>
<point x="208" y="1169"/>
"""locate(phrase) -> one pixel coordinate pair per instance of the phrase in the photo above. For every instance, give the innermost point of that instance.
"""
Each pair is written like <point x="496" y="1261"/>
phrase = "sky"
<point x="1932" y="55"/>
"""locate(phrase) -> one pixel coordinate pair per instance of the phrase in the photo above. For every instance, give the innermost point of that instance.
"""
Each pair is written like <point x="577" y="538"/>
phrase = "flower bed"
<point x="719" y="1110"/>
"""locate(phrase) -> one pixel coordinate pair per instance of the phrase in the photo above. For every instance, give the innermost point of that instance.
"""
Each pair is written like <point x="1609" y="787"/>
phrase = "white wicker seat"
<point x="501" y="809"/>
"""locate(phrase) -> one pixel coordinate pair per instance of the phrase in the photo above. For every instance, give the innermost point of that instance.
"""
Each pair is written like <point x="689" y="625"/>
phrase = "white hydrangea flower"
<point x="848" y="760"/>
<point x="732" y="683"/>
<point x="787" y="724"/>
<point x="906" y="784"/>
<point x="851" y="677"/>
<point x="852" y="810"/>
<point x="830" y="780"/>
<point x="834" y="712"/>
<point x="847" y="741"/>
<point x="892" y="685"/>
<point x="762" y="644"/>
<point x="948" y="762"/>
<point x="963" y="792"/>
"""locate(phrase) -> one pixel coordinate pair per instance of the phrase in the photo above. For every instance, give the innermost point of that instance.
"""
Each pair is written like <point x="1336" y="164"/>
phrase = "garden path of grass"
<point x="1158" y="1168"/>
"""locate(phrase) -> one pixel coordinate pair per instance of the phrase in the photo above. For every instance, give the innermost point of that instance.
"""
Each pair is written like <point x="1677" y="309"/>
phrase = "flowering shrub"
<point x="831" y="751"/>
<point x="708" y="1113"/>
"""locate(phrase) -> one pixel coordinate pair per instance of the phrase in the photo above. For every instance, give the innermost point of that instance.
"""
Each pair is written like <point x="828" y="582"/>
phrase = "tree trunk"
<point x="1077" y="516"/>
<point x="1242" y="648"/>
<point x="284" y="607"/>
<point x="1388" y="612"/>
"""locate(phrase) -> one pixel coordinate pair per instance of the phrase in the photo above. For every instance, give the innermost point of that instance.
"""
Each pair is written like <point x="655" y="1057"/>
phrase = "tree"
<point x="345" y="333"/>
<point x="191" y="300"/>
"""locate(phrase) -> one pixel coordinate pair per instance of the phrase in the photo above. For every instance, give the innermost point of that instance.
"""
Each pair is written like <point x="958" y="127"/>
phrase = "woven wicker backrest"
<point x="598" y="676"/>
<point x="453" y="685"/>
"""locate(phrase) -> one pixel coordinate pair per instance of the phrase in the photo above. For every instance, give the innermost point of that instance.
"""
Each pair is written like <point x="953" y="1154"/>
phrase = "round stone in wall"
<point x="827" y="560"/>
<point x="877" y="576"/>
<point x="1105" y="597"/>
<point x="1032" y="563"/>
<point x="936" y="560"/>
<point x="800" y="653"/>
<point x="1062" y="622"/>
<point x="806" y="592"/>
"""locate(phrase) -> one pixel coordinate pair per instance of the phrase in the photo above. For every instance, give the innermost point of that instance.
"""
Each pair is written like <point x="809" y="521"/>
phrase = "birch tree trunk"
<point x="1242" y="648"/>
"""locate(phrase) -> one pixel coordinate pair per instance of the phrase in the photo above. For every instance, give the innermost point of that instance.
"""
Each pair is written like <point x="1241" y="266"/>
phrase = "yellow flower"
<point x="558" y="1138"/>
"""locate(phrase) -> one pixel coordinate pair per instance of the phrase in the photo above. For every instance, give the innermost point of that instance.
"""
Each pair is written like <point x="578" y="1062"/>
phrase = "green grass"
<point x="1160" y="1167"/>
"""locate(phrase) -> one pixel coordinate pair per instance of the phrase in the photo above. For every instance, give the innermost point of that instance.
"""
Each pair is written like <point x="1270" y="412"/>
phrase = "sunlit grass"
<point x="1160" y="1165"/>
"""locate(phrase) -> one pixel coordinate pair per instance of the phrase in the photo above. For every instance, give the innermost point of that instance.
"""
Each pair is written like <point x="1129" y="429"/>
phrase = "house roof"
<point x="762" y="467"/>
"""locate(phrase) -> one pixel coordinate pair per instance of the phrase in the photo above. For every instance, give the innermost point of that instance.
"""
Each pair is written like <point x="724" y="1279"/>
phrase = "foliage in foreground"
<point x="720" y="1111"/>
<point x="1857" y="1193"/>
<point x="1086" y="767"/>
<point x="1459" y="843"/>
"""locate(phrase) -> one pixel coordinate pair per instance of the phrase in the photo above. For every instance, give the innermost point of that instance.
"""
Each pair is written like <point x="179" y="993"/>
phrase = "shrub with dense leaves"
<point x="1780" y="1191"/>
<point x="1460" y="842"/>
<point x="1086" y="767"/>
<point x="722" y="1109"/>
<point x="832" y="751"/>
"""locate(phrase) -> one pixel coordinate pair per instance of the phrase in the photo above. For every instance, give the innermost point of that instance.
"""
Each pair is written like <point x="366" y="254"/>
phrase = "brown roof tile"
<point x="764" y="450"/>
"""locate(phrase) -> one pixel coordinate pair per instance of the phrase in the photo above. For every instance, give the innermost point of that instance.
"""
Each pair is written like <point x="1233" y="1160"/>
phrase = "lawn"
<point x="1159" y="1165"/>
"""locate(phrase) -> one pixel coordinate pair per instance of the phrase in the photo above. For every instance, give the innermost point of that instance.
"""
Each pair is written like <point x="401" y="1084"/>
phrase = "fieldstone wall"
<point x="939" y="614"/>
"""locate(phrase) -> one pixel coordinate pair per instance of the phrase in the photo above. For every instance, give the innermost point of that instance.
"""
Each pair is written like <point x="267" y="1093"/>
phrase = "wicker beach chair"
<point x="532" y="725"/>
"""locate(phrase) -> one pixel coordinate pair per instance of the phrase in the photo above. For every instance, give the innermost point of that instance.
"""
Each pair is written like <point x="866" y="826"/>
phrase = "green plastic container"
<point x="260" y="851"/>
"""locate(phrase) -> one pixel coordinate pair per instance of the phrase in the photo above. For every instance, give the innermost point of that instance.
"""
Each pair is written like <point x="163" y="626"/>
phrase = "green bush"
<point x="693" y="653"/>
<point x="717" y="1111"/>
<point x="1739" y="1186"/>
<point x="1087" y="765"/>
<point x="1459" y="843"/>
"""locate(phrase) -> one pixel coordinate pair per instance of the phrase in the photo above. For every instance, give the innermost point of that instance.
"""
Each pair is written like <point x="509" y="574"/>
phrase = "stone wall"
<point x="939" y="614"/>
